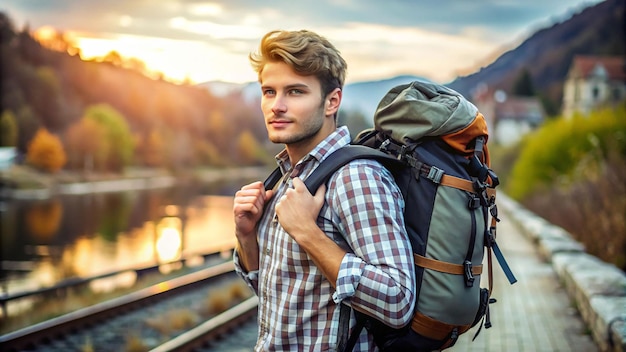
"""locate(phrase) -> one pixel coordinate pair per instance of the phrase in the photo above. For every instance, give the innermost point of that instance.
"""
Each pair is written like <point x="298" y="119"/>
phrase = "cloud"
<point x="447" y="16"/>
<point x="425" y="53"/>
<point x="436" y="40"/>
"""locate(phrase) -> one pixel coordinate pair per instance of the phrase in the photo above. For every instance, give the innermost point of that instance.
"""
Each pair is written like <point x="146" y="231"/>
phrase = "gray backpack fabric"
<point x="434" y="142"/>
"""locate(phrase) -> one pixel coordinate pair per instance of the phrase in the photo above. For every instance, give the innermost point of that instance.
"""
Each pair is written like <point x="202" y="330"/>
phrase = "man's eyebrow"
<point x="297" y="85"/>
<point x="289" y="86"/>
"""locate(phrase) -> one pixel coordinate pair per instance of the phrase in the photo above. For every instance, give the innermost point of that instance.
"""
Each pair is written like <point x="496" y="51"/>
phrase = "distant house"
<point x="509" y="118"/>
<point x="593" y="82"/>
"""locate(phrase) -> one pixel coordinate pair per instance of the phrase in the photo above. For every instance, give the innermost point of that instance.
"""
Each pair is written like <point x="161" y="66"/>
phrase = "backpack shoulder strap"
<point x="343" y="156"/>
<point x="333" y="162"/>
<point x="273" y="179"/>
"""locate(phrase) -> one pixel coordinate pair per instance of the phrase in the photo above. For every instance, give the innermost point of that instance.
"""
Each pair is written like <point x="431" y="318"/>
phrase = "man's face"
<point x="292" y="104"/>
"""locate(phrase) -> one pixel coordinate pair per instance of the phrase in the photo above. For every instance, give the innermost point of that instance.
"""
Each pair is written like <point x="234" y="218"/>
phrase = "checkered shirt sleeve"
<point x="377" y="277"/>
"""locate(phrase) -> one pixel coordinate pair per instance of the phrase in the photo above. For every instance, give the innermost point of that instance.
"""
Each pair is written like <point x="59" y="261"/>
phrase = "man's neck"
<point x="299" y="150"/>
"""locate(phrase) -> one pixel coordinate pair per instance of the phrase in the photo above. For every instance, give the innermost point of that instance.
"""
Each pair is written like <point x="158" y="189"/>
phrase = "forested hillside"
<point x="548" y="53"/>
<point x="91" y="106"/>
<point x="168" y="125"/>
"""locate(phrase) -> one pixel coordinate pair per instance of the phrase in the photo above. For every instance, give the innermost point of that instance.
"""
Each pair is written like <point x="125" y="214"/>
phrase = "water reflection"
<point x="46" y="242"/>
<point x="169" y="242"/>
<point x="43" y="219"/>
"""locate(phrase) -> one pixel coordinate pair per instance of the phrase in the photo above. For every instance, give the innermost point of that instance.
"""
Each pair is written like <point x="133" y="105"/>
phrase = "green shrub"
<point x="571" y="172"/>
<point x="563" y="151"/>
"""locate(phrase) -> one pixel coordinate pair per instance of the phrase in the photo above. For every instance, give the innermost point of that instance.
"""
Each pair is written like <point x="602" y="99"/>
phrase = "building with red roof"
<point x="593" y="82"/>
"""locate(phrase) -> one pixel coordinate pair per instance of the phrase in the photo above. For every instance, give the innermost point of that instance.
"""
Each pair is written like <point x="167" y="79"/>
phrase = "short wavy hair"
<point x="306" y="52"/>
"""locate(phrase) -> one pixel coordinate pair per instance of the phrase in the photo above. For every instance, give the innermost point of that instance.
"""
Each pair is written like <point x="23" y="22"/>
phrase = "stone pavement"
<point x="534" y="314"/>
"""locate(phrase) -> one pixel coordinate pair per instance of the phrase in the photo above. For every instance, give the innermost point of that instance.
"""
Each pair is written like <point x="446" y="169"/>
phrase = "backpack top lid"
<point x="420" y="109"/>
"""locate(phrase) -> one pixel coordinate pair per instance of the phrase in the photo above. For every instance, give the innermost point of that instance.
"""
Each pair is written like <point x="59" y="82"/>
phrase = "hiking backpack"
<point x="434" y="142"/>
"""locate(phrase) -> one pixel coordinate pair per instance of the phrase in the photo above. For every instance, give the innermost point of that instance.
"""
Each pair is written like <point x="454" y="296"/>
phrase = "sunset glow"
<point x="177" y="60"/>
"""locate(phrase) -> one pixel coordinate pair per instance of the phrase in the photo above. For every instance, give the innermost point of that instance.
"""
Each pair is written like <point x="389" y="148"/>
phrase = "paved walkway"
<point x="534" y="314"/>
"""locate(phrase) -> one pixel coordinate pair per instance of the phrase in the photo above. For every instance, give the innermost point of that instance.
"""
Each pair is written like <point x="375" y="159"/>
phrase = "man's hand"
<point x="297" y="210"/>
<point x="297" y="213"/>
<point x="248" y="209"/>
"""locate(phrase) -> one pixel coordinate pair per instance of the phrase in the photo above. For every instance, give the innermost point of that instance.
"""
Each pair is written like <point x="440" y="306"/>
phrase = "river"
<point x="77" y="236"/>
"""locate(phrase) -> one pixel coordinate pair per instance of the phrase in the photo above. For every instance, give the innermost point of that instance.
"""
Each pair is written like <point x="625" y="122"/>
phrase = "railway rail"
<point x="232" y="330"/>
<point x="175" y="315"/>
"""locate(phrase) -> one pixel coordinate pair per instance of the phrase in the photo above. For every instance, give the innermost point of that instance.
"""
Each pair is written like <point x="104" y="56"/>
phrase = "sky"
<point x="210" y="40"/>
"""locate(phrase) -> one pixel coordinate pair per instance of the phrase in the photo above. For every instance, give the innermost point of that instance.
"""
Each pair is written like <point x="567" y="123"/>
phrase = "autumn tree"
<point x="218" y="130"/>
<point x="116" y="134"/>
<point x="151" y="148"/>
<point x="8" y="129"/>
<point x="207" y="154"/>
<point x="86" y="145"/>
<point x="45" y="152"/>
<point x="249" y="149"/>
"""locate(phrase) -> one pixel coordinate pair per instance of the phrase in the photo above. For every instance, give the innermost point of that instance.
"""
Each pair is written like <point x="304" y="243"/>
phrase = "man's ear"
<point x="333" y="100"/>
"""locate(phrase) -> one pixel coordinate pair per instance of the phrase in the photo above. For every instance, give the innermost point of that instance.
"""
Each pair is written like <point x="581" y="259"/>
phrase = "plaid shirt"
<point x="363" y="215"/>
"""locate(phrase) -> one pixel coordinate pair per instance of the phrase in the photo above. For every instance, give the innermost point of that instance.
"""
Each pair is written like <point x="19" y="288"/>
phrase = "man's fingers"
<point x="298" y="184"/>
<point x="253" y="185"/>
<point x="246" y="207"/>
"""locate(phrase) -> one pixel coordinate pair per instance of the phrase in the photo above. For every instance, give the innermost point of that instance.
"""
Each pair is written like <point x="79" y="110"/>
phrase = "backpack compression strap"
<point x="433" y="173"/>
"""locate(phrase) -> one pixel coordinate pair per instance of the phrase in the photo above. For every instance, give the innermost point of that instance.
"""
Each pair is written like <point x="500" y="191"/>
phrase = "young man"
<point x="302" y="254"/>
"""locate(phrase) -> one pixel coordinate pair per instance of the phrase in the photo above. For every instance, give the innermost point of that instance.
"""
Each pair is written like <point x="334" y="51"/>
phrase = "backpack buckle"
<point x="384" y="144"/>
<point x="469" y="277"/>
<point x="493" y="210"/>
<point x="474" y="202"/>
<point x="435" y="174"/>
<point x="481" y="190"/>
<point x="494" y="178"/>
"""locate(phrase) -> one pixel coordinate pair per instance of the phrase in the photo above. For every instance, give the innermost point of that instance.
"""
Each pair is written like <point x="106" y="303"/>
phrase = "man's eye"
<point x="296" y="91"/>
<point x="269" y="92"/>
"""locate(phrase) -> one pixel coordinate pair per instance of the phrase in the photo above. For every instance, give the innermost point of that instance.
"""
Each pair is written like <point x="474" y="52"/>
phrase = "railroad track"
<point x="182" y="314"/>
<point x="232" y="330"/>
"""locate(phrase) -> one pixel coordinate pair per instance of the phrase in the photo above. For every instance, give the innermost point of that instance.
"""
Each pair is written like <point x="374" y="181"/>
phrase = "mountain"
<point x="548" y="53"/>
<point x="249" y="92"/>
<point x="364" y="96"/>
<point x="220" y="88"/>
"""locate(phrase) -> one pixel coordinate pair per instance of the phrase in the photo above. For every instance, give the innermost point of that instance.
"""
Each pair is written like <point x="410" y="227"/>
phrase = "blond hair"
<point x="306" y="52"/>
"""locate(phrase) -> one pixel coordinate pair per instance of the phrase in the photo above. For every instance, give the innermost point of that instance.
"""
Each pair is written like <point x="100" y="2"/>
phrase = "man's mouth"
<point x="279" y="123"/>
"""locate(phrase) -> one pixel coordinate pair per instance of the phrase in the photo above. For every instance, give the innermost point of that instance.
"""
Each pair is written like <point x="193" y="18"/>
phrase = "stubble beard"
<point x="310" y="127"/>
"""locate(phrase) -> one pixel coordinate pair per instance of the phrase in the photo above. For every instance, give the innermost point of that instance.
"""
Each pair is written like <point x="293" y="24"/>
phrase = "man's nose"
<point x="279" y="105"/>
